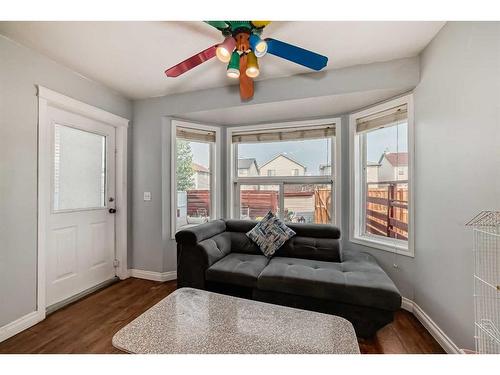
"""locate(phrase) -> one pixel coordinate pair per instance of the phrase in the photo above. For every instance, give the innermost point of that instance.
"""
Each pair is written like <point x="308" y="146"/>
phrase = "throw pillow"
<point x="270" y="234"/>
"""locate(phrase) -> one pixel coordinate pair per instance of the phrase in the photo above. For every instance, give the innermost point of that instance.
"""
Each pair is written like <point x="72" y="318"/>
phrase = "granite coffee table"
<point x="196" y="321"/>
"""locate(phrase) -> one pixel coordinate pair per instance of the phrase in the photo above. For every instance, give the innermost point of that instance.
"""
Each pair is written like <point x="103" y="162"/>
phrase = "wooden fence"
<point x="322" y="206"/>
<point x="387" y="209"/>
<point x="198" y="203"/>
<point x="257" y="203"/>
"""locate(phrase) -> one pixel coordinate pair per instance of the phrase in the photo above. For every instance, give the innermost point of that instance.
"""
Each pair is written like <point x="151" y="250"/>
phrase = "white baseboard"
<point x="20" y="324"/>
<point x="154" y="276"/>
<point x="446" y="343"/>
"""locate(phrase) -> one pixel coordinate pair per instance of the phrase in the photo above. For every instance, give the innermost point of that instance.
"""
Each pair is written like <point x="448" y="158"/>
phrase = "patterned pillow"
<point x="270" y="234"/>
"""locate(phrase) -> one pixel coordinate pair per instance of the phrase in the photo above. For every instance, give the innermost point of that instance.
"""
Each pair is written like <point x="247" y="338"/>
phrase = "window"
<point x="292" y="171"/>
<point x="194" y="159"/>
<point x="382" y="153"/>
<point x="79" y="169"/>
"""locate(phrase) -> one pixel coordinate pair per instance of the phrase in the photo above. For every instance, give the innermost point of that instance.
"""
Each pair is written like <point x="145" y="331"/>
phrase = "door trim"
<point x="46" y="98"/>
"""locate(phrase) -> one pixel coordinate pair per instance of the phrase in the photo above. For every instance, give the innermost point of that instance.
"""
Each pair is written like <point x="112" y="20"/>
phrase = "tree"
<point x="185" y="173"/>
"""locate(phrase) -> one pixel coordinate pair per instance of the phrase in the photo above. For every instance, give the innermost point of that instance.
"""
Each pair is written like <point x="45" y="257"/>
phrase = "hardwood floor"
<point x="88" y="325"/>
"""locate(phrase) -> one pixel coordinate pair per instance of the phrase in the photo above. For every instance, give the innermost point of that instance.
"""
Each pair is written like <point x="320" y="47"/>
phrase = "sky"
<point x="311" y="153"/>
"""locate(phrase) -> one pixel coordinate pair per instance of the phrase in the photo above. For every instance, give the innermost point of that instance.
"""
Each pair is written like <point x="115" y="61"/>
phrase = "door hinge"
<point x="116" y="263"/>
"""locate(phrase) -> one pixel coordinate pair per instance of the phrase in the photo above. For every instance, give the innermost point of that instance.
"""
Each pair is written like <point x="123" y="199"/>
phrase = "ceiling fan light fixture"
<point x="258" y="45"/>
<point x="233" y="69"/>
<point x="225" y="49"/>
<point x="252" y="66"/>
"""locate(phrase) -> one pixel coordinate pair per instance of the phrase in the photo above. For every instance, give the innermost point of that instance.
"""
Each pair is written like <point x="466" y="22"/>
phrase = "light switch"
<point x="147" y="196"/>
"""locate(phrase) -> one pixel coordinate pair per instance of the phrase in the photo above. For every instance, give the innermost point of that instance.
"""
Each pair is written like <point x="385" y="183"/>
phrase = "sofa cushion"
<point x="237" y="268"/>
<point x="240" y="243"/>
<point x="312" y="241"/>
<point x="324" y="249"/>
<point x="270" y="234"/>
<point x="359" y="280"/>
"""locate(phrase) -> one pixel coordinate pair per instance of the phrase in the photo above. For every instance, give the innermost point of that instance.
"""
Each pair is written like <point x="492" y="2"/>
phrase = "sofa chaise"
<point x="309" y="271"/>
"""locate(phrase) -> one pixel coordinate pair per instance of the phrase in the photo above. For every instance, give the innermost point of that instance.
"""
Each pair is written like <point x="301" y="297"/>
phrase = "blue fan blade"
<point x="296" y="54"/>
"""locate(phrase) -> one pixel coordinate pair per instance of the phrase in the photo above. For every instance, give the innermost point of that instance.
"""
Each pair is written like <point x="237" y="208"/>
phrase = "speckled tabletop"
<point x="196" y="321"/>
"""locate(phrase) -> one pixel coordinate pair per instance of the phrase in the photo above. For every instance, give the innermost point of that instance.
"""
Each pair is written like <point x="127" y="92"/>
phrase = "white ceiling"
<point x="131" y="57"/>
<point x="307" y="108"/>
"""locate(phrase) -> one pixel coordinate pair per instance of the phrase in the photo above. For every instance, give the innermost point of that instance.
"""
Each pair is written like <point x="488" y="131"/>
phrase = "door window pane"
<point x="193" y="182"/>
<point x="308" y="203"/>
<point x="79" y="175"/>
<point x="257" y="200"/>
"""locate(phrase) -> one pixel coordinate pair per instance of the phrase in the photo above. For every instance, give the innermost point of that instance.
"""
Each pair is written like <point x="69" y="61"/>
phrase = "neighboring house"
<point x="247" y="167"/>
<point x="282" y="165"/>
<point x="325" y="169"/>
<point x="201" y="177"/>
<point x="372" y="171"/>
<point x="393" y="166"/>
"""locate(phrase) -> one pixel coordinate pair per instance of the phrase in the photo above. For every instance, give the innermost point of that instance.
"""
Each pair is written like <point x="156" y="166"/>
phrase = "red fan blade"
<point x="246" y="83"/>
<point x="192" y="62"/>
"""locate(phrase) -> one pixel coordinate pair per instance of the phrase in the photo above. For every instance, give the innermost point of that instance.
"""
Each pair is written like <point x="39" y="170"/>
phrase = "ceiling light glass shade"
<point x="225" y="49"/>
<point x="252" y="66"/>
<point x="258" y="46"/>
<point x="233" y="69"/>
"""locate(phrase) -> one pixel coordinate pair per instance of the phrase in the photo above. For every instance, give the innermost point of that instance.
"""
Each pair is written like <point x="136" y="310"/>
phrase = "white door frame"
<point x="46" y="98"/>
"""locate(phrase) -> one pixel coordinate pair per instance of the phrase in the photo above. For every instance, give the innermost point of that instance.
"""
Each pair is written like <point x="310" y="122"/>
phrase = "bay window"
<point x="289" y="169"/>
<point x="381" y="176"/>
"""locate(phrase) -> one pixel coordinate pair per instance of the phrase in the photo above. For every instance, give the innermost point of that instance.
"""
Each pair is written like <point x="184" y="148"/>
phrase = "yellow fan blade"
<point x="260" y="24"/>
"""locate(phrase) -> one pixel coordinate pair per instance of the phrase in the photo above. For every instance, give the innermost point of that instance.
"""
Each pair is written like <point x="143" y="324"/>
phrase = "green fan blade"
<point x="220" y="25"/>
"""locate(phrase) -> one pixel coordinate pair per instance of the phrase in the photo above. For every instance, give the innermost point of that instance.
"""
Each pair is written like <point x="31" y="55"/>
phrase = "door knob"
<point x="112" y="210"/>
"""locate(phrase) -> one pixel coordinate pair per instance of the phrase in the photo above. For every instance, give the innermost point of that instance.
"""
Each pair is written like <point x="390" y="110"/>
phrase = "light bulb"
<point x="252" y="66"/>
<point x="233" y="69"/>
<point x="259" y="46"/>
<point x="224" y="50"/>
<point x="233" y="73"/>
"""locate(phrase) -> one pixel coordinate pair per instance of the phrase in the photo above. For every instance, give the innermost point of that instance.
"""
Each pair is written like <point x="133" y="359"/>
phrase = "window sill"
<point x="382" y="245"/>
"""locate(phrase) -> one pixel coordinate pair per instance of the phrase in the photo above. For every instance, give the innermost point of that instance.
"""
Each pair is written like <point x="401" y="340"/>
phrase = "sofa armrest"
<point x="362" y="270"/>
<point x="200" y="232"/>
<point x="196" y="251"/>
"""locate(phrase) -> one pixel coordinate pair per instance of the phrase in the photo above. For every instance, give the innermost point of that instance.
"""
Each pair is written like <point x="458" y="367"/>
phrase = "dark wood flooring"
<point x="88" y="325"/>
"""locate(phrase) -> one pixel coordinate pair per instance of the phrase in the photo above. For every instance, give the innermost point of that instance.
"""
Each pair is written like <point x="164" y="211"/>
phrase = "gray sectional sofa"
<point x="309" y="271"/>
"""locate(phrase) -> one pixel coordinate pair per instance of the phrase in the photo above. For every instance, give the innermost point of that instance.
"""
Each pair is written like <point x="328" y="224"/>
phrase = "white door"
<point x="81" y="221"/>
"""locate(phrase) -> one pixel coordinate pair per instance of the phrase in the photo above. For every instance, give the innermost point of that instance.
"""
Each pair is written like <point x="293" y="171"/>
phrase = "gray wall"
<point x="153" y="248"/>
<point x="20" y="70"/>
<point x="457" y="114"/>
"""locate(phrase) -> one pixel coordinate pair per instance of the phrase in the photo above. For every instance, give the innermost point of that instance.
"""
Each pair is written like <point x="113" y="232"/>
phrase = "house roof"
<point x="246" y="163"/>
<point x="396" y="159"/>
<point x="199" y="168"/>
<point x="284" y="156"/>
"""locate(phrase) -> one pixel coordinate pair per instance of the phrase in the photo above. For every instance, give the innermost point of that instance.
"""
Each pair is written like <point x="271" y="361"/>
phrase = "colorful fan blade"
<point x="220" y="25"/>
<point x="296" y="54"/>
<point x="192" y="62"/>
<point x="260" y="24"/>
<point x="246" y="83"/>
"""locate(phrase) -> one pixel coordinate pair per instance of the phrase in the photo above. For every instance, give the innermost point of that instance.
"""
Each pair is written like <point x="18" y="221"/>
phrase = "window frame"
<point x="357" y="197"/>
<point x="215" y="173"/>
<point x="234" y="182"/>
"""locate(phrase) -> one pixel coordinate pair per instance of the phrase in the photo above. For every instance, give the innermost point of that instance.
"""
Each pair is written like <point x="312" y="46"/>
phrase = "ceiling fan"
<point x="241" y="48"/>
